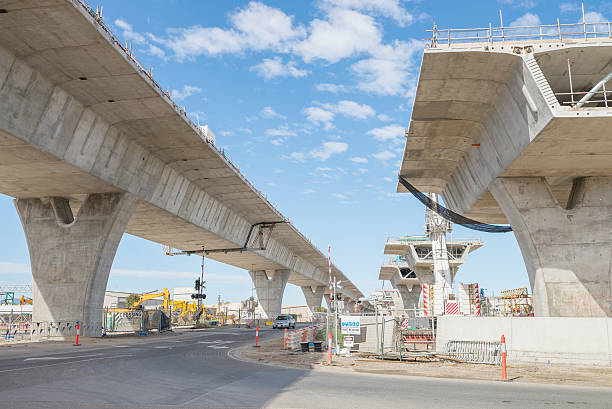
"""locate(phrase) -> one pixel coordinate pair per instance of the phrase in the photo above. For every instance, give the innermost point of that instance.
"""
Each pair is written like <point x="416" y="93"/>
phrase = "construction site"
<point x="507" y="135"/>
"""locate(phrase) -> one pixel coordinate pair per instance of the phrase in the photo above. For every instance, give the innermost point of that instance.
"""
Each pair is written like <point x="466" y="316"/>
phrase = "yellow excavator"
<point x="23" y="300"/>
<point x="149" y="296"/>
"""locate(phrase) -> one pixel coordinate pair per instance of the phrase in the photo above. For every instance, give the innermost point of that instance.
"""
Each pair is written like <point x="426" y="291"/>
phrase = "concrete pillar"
<point x="349" y="306"/>
<point x="314" y="297"/>
<point x="410" y="295"/>
<point x="71" y="257"/>
<point x="567" y="248"/>
<point x="270" y="290"/>
<point x="327" y="300"/>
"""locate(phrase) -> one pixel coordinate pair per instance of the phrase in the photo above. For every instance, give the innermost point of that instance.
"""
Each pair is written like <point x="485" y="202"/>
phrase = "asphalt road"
<point x="194" y="370"/>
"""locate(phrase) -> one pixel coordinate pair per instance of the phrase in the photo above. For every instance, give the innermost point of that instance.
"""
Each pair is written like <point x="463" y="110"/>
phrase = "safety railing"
<point x="479" y="352"/>
<point x="547" y="32"/>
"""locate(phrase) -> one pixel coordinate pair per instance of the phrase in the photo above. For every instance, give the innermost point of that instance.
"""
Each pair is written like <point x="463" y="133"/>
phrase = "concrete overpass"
<point x="91" y="146"/>
<point x="495" y="132"/>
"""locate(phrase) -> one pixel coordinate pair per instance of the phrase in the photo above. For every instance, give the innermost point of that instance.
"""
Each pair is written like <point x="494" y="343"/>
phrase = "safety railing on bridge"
<point x="547" y="32"/>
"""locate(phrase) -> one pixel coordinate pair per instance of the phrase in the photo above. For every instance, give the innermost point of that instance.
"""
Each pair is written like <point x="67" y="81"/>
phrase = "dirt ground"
<point x="271" y="352"/>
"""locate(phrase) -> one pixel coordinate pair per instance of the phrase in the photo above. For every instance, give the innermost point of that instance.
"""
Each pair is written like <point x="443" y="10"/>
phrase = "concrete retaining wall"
<point x="558" y="340"/>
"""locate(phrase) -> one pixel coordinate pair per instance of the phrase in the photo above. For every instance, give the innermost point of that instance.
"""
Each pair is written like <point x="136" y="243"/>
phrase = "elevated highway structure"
<point x="91" y="146"/>
<point x="497" y="130"/>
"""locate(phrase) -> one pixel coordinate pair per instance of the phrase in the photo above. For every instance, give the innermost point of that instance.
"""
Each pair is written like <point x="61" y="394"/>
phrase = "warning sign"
<point x="349" y="341"/>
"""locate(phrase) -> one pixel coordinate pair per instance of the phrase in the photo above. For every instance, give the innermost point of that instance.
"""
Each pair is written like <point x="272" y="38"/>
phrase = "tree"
<point x="131" y="299"/>
<point x="245" y="303"/>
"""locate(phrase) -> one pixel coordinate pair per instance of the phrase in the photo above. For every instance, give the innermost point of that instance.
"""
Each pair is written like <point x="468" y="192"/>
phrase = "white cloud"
<point x="390" y="133"/>
<point x="351" y="109"/>
<point x="387" y="8"/>
<point x="525" y="4"/>
<point x="339" y="195"/>
<point x="308" y="191"/>
<point x="256" y="27"/>
<point x="383" y="155"/>
<point x="318" y="115"/>
<point x="358" y="159"/>
<point x="594" y="17"/>
<point x="389" y="70"/>
<point x="387" y="179"/>
<point x="569" y="7"/>
<point x="274" y="67"/>
<point x="185" y="92"/>
<point x="278" y="141"/>
<point x="156" y="51"/>
<point x="263" y="27"/>
<point x="344" y="33"/>
<point x="384" y="117"/>
<point x="333" y="88"/>
<point x="527" y="19"/>
<point x="362" y="170"/>
<point x="270" y="113"/>
<point x="328" y="149"/>
<point x="281" y="131"/>
<point x="295" y="156"/>
<point x="128" y="32"/>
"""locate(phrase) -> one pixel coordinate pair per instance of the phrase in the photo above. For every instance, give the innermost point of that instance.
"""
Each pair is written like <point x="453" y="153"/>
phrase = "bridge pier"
<point x="567" y="247"/>
<point x="71" y="257"/>
<point x="410" y="295"/>
<point x="313" y="297"/>
<point x="270" y="290"/>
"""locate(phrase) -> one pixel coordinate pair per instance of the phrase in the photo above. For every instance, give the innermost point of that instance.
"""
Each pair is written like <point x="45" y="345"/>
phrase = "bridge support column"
<point x="327" y="300"/>
<point x="567" y="248"/>
<point x="71" y="258"/>
<point x="313" y="297"/>
<point x="270" y="290"/>
<point x="410" y="296"/>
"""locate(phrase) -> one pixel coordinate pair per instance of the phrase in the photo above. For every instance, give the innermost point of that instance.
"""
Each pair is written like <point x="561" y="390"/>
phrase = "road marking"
<point x="163" y="347"/>
<point x="64" y="363"/>
<point x="50" y="358"/>
<point x="218" y="346"/>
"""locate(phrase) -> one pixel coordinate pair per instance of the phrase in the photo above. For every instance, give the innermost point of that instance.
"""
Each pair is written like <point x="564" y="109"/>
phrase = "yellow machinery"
<point x="517" y="302"/>
<point x="149" y="296"/>
<point x="23" y="300"/>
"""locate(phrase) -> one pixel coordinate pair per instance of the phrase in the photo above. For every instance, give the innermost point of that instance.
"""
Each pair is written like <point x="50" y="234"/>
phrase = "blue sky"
<point x="311" y="100"/>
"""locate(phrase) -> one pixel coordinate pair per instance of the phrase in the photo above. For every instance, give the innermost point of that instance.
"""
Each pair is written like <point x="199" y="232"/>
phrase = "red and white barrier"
<point x="426" y="299"/>
<point x="451" y="308"/>
<point x="477" y="299"/>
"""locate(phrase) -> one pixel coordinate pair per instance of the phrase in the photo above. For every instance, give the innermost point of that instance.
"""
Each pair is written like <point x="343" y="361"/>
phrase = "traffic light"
<point x="197" y="284"/>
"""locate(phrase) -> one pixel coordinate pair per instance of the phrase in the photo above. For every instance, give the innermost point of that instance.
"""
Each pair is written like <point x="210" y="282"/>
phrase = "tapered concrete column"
<point x="313" y="297"/>
<point x="327" y="300"/>
<point x="270" y="290"/>
<point x="410" y="296"/>
<point x="567" y="248"/>
<point x="71" y="257"/>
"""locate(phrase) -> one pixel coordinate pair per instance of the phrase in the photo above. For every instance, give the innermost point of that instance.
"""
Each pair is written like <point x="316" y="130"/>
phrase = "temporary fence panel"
<point x="475" y="351"/>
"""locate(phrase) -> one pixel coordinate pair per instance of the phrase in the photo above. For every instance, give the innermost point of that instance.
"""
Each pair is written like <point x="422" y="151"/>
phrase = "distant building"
<point x="116" y="299"/>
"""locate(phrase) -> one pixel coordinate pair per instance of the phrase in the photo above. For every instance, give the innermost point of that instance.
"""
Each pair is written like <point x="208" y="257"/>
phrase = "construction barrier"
<point x="307" y="334"/>
<point x="479" y="352"/>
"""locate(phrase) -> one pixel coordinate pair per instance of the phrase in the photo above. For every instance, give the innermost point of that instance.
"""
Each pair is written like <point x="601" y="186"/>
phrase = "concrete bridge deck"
<point x="493" y="133"/>
<point x="79" y="117"/>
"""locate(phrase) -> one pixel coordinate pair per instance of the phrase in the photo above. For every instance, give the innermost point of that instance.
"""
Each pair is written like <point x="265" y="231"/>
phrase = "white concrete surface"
<point x="531" y="340"/>
<point x="79" y="117"/>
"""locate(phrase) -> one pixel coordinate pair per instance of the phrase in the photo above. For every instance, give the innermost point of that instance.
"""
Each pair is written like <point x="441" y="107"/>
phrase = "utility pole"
<point x="331" y="293"/>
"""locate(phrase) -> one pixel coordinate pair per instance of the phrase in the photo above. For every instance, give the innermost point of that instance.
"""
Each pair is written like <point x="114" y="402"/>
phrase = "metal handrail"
<point x="501" y="34"/>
